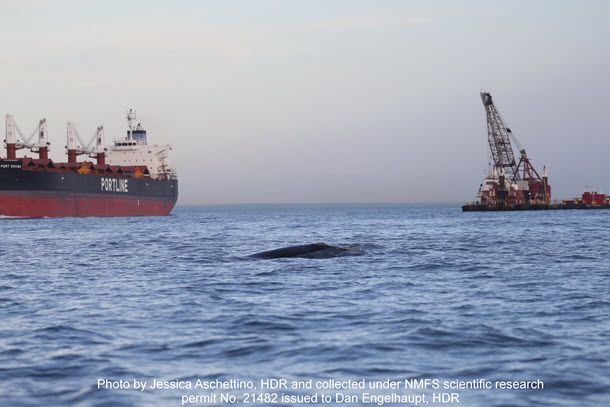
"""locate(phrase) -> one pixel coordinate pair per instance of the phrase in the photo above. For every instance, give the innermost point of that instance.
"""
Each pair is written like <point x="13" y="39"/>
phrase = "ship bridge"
<point x="134" y="150"/>
<point x="138" y="134"/>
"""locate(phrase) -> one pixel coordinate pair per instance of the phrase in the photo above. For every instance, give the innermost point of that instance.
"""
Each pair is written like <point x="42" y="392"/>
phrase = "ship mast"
<point x="100" y="151"/>
<point x="43" y="143"/>
<point x="71" y="143"/>
<point x="11" y="137"/>
<point x="131" y="118"/>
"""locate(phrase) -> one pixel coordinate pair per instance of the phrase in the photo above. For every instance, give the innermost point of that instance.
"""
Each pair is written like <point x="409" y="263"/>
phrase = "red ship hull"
<point x="41" y="204"/>
<point x="39" y="189"/>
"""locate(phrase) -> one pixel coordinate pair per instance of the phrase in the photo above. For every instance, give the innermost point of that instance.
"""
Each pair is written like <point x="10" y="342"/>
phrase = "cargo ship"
<point x="129" y="178"/>
<point x="513" y="185"/>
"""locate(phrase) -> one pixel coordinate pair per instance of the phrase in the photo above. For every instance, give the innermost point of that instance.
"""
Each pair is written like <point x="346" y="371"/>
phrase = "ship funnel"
<point x="545" y="173"/>
<point x="11" y="137"/>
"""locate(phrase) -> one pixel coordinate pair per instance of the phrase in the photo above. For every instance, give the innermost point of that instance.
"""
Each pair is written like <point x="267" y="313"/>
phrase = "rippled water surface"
<point x="438" y="294"/>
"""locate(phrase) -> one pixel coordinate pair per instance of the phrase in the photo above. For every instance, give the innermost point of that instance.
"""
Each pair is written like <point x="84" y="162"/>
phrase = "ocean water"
<point x="439" y="294"/>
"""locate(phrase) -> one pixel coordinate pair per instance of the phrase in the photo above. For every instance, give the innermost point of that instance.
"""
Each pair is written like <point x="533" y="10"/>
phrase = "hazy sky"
<point x="320" y="101"/>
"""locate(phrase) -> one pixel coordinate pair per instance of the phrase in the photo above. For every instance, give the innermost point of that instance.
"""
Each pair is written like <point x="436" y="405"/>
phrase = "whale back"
<point x="318" y="250"/>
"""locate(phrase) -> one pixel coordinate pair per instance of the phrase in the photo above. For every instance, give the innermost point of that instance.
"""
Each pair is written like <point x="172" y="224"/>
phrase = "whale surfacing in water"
<point x="308" y="251"/>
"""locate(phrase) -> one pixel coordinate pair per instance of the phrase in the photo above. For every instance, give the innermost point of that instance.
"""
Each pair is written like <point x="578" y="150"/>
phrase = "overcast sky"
<point x="320" y="101"/>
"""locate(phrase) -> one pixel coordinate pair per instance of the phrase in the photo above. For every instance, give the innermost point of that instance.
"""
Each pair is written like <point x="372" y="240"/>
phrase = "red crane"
<point x="522" y="174"/>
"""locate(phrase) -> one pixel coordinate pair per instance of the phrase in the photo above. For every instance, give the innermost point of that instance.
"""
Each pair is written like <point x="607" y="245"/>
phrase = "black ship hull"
<point x="50" y="192"/>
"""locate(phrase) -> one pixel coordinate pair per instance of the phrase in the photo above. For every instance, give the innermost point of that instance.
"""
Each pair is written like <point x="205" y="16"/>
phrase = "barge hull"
<point x="531" y="207"/>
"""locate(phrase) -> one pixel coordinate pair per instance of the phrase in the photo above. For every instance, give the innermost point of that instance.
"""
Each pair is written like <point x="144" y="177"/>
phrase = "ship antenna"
<point x="131" y="117"/>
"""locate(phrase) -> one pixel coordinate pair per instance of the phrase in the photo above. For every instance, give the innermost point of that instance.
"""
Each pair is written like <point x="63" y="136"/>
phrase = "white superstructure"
<point x="134" y="150"/>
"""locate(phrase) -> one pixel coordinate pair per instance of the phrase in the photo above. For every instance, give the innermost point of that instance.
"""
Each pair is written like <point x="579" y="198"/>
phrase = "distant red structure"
<point x="594" y="198"/>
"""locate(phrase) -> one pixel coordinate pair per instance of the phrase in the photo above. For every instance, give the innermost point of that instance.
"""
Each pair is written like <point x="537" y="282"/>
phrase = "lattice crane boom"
<point x="499" y="139"/>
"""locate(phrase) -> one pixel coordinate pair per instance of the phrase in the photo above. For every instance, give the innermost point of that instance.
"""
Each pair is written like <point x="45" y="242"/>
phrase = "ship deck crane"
<point x="13" y="144"/>
<point x="74" y="150"/>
